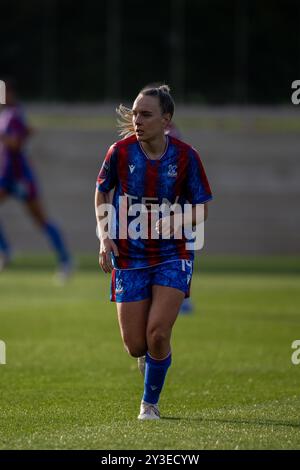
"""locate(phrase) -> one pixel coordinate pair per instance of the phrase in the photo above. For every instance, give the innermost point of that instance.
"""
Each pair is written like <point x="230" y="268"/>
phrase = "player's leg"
<point x="5" y="249"/>
<point x="36" y="211"/>
<point x="131" y="291"/>
<point x="52" y="232"/>
<point x="26" y="188"/>
<point x="170" y="285"/>
<point x="163" y="312"/>
<point x="186" y="307"/>
<point x="132" y="317"/>
<point x="166" y="302"/>
<point x="3" y="194"/>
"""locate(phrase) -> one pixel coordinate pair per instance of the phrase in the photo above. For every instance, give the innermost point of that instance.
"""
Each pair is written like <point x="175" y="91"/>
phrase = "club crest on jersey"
<point x="172" y="171"/>
<point x="131" y="168"/>
<point x="119" y="286"/>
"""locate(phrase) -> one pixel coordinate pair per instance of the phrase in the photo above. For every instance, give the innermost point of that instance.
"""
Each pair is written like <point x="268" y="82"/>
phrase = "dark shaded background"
<point x="212" y="51"/>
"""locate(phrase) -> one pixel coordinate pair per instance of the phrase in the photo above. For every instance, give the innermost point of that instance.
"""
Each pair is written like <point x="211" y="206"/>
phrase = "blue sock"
<point x="155" y="374"/>
<point x="4" y="245"/>
<point x="55" y="237"/>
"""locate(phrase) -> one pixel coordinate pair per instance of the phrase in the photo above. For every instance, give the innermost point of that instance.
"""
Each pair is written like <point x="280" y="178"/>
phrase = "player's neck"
<point x="156" y="147"/>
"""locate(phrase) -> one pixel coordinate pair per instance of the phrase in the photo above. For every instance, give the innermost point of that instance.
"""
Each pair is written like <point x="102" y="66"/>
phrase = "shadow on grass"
<point x="266" y="422"/>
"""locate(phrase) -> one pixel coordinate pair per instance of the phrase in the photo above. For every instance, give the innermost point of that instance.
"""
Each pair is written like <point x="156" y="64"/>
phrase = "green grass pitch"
<point x="68" y="383"/>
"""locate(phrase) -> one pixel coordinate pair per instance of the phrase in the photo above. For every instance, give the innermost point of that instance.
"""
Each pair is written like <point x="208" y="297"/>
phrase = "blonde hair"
<point x="162" y="92"/>
<point x="124" y="122"/>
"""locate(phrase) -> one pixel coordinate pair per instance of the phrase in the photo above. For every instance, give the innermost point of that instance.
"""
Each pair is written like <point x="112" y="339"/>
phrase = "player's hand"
<point x="165" y="226"/>
<point x="107" y="247"/>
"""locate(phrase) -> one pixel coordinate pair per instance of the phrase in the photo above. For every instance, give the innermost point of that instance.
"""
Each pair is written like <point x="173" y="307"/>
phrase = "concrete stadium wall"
<point x="251" y="156"/>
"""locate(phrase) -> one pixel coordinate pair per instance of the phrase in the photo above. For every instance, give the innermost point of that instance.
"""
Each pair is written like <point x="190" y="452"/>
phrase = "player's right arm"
<point x="107" y="245"/>
<point x="106" y="181"/>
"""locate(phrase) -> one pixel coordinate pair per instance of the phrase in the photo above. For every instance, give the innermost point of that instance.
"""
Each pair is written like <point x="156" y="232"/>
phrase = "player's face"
<point x="148" y="120"/>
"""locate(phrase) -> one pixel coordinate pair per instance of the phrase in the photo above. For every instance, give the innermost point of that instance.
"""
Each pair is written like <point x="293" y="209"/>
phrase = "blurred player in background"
<point x="150" y="275"/>
<point x="17" y="179"/>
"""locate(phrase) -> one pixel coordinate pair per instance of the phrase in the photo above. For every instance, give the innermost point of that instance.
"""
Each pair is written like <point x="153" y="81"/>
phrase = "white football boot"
<point x="64" y="272"/>
<point x="148" y="411"/>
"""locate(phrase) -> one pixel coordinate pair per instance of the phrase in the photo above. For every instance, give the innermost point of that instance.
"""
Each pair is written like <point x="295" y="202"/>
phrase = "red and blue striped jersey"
<point x="12" y="123"/>
<point x="177" y="176"/>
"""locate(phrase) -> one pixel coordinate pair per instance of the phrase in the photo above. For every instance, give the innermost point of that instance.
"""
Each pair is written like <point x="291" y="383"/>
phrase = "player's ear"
<point x="166" y="119"/>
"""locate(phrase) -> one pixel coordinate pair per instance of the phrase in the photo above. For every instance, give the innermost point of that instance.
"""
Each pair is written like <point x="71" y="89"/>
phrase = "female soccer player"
<point x="151" y="268"/>
<point x="17" y="179"/>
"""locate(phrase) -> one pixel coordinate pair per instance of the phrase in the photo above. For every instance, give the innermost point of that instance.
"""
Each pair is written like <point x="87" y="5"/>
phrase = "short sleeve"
<point x="197" y="186"/>
<point x="17" y="126"/>
<point x="107" y="177"/>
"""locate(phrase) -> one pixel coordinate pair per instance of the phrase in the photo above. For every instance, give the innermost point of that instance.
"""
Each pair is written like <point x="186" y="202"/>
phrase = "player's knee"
<point x="135" y="350"/>
<point x="157" y="338"/>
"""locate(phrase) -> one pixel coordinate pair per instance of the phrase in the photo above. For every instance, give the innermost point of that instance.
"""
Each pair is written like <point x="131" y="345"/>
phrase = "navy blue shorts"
<point x="18" y="179"/>
<point x="129" y="285"/>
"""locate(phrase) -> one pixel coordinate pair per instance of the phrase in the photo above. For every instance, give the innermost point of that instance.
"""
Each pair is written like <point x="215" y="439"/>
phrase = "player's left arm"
<point x="197" y="193"/>
<point x="198" y="189"/>
<point x="196" y="216"/>
<point x="202" y="210"/>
